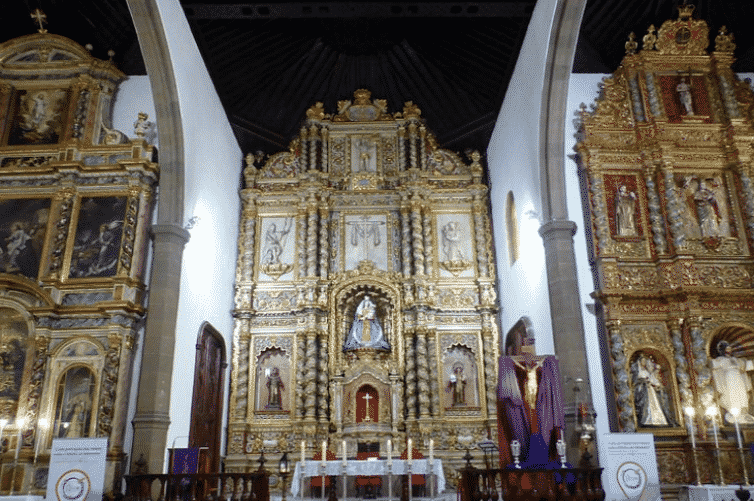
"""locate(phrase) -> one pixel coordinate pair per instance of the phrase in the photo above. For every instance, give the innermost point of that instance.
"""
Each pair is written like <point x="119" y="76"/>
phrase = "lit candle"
<point x="324" y="452"/>
<point x="691" y="427"/>
<point x="41" y="425"/>
<point x="389" y="452"/>
<point x="410" y="454"/>
<point x="343" y="448"/>
<point x="20" y="424"/>
<point x="735" y="413"/>
<point x="303" y="452"/>
<point x="431" y="452"/>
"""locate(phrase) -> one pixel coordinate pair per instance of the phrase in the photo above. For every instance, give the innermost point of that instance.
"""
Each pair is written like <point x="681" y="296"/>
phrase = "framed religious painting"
<point x="99" y="232"/>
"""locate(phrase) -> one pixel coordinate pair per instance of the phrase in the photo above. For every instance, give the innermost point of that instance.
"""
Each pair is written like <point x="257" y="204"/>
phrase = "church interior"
<point x="377" y="231"/>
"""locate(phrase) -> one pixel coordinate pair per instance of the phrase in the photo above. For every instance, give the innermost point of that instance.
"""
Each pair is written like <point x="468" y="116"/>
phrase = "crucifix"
<point x="367" y="397"/>
<point x="41" y="18"/>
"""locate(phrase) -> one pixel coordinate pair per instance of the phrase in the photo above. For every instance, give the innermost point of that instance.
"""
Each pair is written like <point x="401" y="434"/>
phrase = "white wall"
<point x="513" y="161"/>
<point x="212" y="163"/>
<point x="134" y="95"/>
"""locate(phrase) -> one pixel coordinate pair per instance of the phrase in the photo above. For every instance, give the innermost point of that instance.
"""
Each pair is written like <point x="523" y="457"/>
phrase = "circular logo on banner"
<point x="632" y="479"/>
<point x="73" y="485"/>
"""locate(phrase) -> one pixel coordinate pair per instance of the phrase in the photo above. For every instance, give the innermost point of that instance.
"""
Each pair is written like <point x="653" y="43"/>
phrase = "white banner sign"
<point x="77" y="469"/>
<point x="630" y="467"/>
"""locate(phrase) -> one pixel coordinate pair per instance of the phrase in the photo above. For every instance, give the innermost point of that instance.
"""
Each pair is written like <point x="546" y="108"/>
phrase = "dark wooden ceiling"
<point x="270" y="62"/>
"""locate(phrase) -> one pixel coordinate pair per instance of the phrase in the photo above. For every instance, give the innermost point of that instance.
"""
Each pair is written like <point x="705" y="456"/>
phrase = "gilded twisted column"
<point x="655" y="214"/>
<point x="428" y="248"/>
<point x="310" y="380"/>
<point x="748" y="205"/>
<point x="674" y="210"/>
<point x="325" y="150"/>
<point x="422" y="373"/>
<point x="322" y="380"/>
<point x="109" y="378"/>
<point x="681" y="367"/>
<point x="240" y="396"/>
<point x="481" y="231"/>
<point x="311" y="239"/>
<point x="701" y="365"/>
<point x="324" y="242"/>
<point x="620" y="376"/>
<point x="412" y="145"/>
<point x="423" y="147"/>
<point x="303" y="158"/>
<point x="406" y="240"/>
<point x="417" y="237"/>
<point x="313" y="139"/>
<point x="299" y="410"/>
<point x="599" y="211"/>
<point x="401" y="148"/>
<point x="434" y="385"/>
<point x="61" y="230"/>
<point x="490" y="371"/>
<point x="301" y="241"/>
<point x="38" y="370"/>
<point x="410" y="377"/>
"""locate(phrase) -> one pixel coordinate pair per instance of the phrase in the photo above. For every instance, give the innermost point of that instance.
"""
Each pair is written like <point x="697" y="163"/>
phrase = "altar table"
<point x="711" y="492"/>
<point x="356" y="468"/>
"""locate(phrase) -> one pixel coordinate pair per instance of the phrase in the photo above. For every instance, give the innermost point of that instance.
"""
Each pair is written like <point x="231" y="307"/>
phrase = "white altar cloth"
<point x="710" y="492"/>
<point x="365" y="467"/>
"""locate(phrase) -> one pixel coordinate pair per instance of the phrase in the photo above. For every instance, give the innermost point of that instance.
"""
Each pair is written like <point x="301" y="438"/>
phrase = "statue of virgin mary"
<point x="366" y="331"/>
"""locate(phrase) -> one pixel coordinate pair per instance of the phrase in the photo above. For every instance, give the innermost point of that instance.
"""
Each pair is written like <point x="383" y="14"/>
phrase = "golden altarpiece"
<point x="75" y="202"/>
<point x="365" y="303"/>
<point x="666" y="165"/>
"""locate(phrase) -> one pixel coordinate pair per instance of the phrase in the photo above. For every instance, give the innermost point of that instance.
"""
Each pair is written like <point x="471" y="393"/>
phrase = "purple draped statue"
<point x="542" y="401"/>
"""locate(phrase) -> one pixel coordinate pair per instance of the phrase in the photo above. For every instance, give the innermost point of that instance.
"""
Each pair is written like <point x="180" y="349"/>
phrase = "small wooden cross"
<point x="41" y="18"/>
<point x="367" y="397"/>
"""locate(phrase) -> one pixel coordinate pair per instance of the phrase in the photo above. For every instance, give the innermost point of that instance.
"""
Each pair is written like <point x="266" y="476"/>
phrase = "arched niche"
<point x="16" y="350"/>
<point x="655" y="398"/>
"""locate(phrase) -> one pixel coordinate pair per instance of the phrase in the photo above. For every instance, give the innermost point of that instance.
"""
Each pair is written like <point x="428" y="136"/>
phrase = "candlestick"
<point x="410" y="454"/>
<point x="20" y="424"/>
<point x="303" y="452"/>
<point x="41" y="425"/>
<point x="389" y="452"/>
<point x="692" y="433"/>
<point x="736" y="412"/>
<point x="712" y="413"/>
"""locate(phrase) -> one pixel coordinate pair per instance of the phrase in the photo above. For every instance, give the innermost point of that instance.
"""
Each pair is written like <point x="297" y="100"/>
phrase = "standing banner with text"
<point x="77" y="469"/>
<point x="630" y="467"/>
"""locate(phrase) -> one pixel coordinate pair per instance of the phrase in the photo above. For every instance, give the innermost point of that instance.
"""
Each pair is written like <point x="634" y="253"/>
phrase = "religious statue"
<point x="457" y="385"/>
<point x="76" y="417"/>
<point x="366" y="331"/>
<point x="732" y="382"/>
<point x="275" y="389"/>
<point x="531" y="406"/>
<point x="275" y="240"/>
<point x="684" y="94"/>
<point x="650" y="398"/>
<point x="707" y="211"/>
<point x="15" y="244"/>
<point x="451" y="241"/>
<point x="625" y="208"/>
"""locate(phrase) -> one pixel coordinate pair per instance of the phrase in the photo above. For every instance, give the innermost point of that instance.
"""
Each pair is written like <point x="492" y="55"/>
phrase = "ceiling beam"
<point x="304" y="10"/>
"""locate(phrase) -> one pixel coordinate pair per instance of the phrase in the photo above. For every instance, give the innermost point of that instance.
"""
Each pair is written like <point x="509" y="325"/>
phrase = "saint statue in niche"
<point x="457" y="385"/>
<point x="275" y="240"/>
<point x="625" y="208"/>
<point x="732" y="382"/>
<point x="707" y="211"/>
<point x="684" y="94"/>
<point x="451" y="235"/>
<point x="366" y="330"/>
<point x="275" y="389"/>
<point x="650" y="398"/>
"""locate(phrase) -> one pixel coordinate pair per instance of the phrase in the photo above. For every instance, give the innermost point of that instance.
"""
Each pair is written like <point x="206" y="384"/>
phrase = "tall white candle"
<point x="303" y="452"/>
<point x="41" y="426"/>
<point x="324" y="452"/>
<point x="692" y="432"/>
<point x="343" y="448"/>
<point x="738" y="429"/>
<point x="20" y="424"/>
<point x="410" y="453"/>
<point x="714" y="431"/>
<point x="431" y="452"/>
<point x="389" y="452"/>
